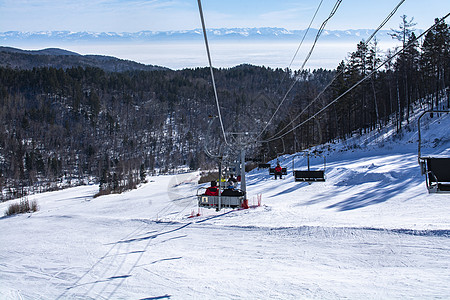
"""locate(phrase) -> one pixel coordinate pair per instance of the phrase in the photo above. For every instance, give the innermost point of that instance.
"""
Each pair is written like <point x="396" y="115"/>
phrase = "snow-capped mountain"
<point x="265" y="33"/>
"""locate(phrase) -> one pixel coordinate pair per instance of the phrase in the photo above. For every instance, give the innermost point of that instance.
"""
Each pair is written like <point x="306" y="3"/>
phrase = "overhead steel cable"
<point x="304" y="36"/>
<point x="211" y="69"/>
<point x="341" y="72"/>
<point x="386" y="20"/>
<point x="360" y="81"/>
<point x="322" y="27"/>
<point x="299" y="46"/>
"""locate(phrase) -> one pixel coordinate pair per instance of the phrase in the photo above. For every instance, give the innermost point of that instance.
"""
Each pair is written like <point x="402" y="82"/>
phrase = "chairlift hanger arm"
<point x="418" y="128"/>
<point x="219" y="154"/>
<point x="211" y="69"/>
<point x="308" y="154"/>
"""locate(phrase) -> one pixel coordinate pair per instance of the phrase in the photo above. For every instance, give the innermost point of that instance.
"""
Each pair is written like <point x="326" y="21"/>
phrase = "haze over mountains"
<point x="267" y="46"/>
<point x="258" y="34"/>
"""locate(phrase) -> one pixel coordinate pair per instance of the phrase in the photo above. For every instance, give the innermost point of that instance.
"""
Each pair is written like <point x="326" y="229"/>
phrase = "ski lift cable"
<point x="211" y="69"/>
<point x="301" y="42"/>
<point x="306" y="32"/>
<point x="322" y="27"/>
<point x="298" y="48"/>
<point x="359" y="82"/>
<point x="343" y="69"/>
<point x="386" y="20"/>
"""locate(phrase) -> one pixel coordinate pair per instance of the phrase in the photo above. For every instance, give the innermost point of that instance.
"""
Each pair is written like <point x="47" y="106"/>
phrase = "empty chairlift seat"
<point x="309" y="175"/>
<point x="437" y="172"/>
<point x="435" y="168"/>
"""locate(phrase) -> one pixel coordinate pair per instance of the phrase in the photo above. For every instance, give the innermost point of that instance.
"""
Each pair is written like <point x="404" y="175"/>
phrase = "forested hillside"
<point x="420" y="75"/>
<point x="69" y="126"/>
<point x="63" y="59"/>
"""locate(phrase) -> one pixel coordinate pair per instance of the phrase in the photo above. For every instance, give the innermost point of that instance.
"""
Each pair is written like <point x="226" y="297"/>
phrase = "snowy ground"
<point x="370" y="231"/>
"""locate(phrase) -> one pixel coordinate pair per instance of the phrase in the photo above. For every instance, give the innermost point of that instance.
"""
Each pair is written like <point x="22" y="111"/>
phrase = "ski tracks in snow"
<point x="110" y="271"/>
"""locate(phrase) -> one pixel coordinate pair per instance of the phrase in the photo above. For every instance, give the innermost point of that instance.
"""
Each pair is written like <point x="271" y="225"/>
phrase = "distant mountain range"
<point x="59" y="58"/>
<point x="266" y="33"/>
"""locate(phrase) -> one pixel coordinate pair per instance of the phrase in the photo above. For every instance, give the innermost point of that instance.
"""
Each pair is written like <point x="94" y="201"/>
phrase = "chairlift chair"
<point x="435" y="169"/>
<point x="272" y="171"/>
<point x="217" y="202"/>
<point x="283" y="170"/>
<point x="228" y="197"/>
<point x="309" y="175"/>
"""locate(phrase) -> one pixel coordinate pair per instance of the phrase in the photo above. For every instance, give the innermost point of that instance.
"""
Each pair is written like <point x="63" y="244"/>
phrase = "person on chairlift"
<point x="231" y="188"/>
<point x="232" y="182"/>
<point x="232" y="192"/>
<point x="278" y="171"/>
<point x="212" y="190"/>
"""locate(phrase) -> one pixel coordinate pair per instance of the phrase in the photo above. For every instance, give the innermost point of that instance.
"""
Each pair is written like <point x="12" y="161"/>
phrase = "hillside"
<point x="370" y="231"/>
<point x="63" y="59"/>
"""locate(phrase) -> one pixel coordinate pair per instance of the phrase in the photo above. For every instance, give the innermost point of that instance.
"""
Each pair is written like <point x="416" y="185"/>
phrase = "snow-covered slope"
<point x="370" y="231"/>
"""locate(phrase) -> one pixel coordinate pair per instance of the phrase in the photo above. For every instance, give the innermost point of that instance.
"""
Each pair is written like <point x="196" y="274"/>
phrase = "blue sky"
<point x="164" y="15"/>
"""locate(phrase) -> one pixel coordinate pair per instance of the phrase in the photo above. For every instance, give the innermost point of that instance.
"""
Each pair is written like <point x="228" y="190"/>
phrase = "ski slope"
<point x="371" y="231"/>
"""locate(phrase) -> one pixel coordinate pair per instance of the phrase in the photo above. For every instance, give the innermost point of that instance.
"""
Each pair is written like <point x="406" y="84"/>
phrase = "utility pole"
<point x="242" y="165"/>
<point x="307" y="155"/>
<point x="220" y="182"/>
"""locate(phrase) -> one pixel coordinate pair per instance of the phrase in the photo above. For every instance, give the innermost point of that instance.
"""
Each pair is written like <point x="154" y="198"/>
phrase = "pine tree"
<point x="406" y="29"/>
<point x="142" y="173"/>
<point x="435" y="59"/>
